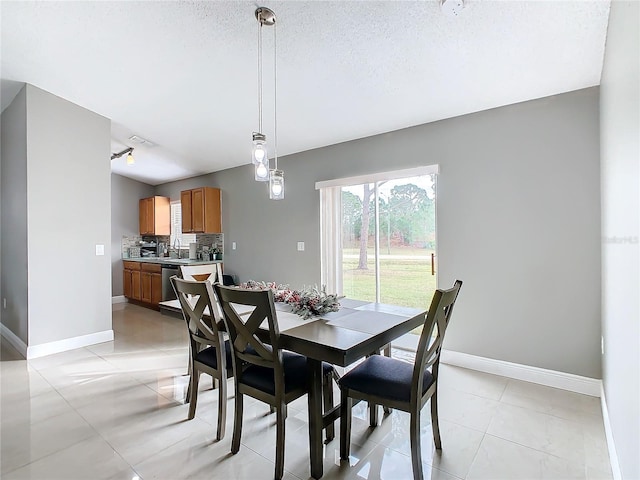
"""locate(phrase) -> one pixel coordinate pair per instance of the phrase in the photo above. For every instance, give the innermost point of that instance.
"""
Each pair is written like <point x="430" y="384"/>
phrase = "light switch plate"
<point x="99" y="249"/>
<point x="301" y="246"/>
<point x="233" y="245"/>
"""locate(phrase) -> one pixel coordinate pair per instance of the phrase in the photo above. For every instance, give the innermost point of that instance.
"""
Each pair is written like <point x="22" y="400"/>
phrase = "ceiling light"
<point x="276" y="185"/>
<point x="141" y="141"/>
<point x="259" y="154"/>
<point x="130" y="159"/>
<point x="452" y="8"/>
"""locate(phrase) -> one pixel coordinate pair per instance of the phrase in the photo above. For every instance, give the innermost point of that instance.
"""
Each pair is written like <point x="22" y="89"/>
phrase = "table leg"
<point x="314" y="369"/>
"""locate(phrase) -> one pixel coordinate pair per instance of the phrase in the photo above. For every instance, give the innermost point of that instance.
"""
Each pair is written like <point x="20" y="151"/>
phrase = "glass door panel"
<point x="388" y="239"/>
<point x="406" y="241"/>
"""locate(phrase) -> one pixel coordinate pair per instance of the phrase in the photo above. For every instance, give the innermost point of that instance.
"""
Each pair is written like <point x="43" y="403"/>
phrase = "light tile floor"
<point x="115" y="411"/>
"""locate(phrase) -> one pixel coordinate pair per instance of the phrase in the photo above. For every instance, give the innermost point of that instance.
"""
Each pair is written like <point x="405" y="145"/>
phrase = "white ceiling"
<point x="183" y="74"/>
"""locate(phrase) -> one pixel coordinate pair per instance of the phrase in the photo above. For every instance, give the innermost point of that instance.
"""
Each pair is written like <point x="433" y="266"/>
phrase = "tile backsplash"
<point x="131" y="243"/>
<point x="131" y="246"/>
<point x="210" y="240"/>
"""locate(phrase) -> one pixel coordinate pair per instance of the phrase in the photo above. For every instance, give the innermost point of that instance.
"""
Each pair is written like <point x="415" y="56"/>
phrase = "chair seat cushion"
<point x="295" y="374"/>
<point x="384" y="377"/>
<point x="208" y="356"/>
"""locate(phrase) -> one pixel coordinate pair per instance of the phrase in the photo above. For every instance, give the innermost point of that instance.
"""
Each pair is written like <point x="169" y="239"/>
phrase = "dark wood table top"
<point x="356" y="330"/>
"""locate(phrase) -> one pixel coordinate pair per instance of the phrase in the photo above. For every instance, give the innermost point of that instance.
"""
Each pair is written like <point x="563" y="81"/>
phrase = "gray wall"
<point x="13" y="276"/>
<point x="518" y="220"/>
<point x="125" y="194"/>
<point x="69" y="212"/>
<point x="620" y="127"/>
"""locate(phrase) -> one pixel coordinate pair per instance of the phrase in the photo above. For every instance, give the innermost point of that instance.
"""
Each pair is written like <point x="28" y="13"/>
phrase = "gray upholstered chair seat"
<point x="295" y="374"/>
<point x="208" y="356"/>
<point x="384" y="377"/>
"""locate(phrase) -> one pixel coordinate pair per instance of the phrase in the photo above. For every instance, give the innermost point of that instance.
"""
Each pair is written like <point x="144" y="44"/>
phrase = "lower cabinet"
<point x="143" y="282"/>
<point x="131" y="280"/>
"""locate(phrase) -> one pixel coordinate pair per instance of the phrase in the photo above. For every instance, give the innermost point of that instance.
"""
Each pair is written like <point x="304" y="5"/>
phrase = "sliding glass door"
<point x="389" y="240"/>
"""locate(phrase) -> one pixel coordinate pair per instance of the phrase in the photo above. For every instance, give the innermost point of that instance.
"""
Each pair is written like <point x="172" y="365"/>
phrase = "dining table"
<point x="358" y="329"/>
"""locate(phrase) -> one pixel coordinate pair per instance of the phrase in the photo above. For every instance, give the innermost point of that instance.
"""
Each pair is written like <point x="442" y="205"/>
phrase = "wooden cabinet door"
<point x="147" y="216"/>
<point x="126" y="281"/>
<point x="156" y="288"/>
<point x="161" y="216"/>
<point x="197" y="210"/>
<point x="151" y="216"/>
<point x="135" y="285"/>
<point x="146" y="287"/>
<point x="212" y="211"/>
<point x="143" y="216"/>
<point x="186" y="202"/>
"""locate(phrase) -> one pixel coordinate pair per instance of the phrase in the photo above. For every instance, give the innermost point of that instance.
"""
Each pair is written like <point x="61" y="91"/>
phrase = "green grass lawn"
<point x="403" y="282"/>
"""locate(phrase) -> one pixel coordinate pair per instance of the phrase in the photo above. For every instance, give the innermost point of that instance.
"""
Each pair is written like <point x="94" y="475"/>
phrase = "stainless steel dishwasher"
<point x="168" y="271"/>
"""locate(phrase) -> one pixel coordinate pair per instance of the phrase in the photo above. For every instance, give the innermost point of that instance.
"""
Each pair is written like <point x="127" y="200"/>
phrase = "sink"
<point x="178" y="260"/>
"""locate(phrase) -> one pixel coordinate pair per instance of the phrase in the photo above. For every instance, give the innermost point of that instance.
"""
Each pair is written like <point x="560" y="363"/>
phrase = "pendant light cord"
<point x="260" y="77"/>
<point x="275" y="96"/>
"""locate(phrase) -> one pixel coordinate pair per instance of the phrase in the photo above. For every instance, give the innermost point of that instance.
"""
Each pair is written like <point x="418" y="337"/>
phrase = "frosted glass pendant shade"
<point x="259" y="152"/>
<point x="130" y="160"/>
<point x="262" y="171"/>
<point x="276" y="185"/>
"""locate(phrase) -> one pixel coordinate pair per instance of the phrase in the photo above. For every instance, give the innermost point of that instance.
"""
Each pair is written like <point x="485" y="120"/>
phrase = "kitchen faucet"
<point x="178" y="250"/>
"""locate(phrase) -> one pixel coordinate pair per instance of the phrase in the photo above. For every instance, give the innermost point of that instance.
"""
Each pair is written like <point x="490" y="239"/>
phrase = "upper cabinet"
<point x="201" y="210"/>
<point x="155" y="216"/>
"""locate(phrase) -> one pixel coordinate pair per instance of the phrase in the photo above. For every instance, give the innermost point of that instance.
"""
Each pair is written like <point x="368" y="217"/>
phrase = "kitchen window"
<point x="184" y="239"/>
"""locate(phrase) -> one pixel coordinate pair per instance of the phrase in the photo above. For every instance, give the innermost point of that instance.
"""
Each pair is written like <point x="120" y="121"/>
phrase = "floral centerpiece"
<point x="312" y="302"/>
<point x="308" y="302"/>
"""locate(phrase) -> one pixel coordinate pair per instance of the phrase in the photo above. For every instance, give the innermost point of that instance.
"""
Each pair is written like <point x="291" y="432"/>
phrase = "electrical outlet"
<point x="4" y="303"/>
<point x="602" y="344"/>
<point x="99" y="249"/>
<point x="301" y="246"/>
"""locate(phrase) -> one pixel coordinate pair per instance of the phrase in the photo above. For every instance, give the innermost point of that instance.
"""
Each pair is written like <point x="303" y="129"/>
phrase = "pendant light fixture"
<point x="259" y="157"/>
<point x="130" y="159"/>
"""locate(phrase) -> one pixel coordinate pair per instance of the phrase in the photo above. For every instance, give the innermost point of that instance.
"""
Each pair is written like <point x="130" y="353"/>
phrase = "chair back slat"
<point x="429" y="347"/>
<point x="195" y="298"/>
<point x="243" y="329"/>
<point x="211" y="272"/>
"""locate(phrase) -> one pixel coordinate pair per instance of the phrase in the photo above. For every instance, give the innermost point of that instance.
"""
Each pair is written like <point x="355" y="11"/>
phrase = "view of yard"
<point x="405" y="277"/>
<point x="399" y="215"/>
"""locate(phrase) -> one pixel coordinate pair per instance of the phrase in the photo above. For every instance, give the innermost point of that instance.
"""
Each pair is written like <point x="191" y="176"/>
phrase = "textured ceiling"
<point x="183" y="74"/>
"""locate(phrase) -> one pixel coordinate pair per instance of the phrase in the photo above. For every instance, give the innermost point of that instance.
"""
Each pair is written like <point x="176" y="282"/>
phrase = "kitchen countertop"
<point x="171" y="261"/>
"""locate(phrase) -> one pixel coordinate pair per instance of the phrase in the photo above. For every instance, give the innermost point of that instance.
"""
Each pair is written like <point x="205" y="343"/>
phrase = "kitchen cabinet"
<point x="132" y="280"/>
<point x="143" y="282"/>
<point x="151" y="283"/>
<point x="155" y="216"/>
<point x="201" y="211"/>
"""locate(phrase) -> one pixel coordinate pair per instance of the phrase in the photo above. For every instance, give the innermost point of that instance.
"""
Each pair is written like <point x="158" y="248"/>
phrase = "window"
<point x="378" y="236"/>
<point x="176" y="228"/>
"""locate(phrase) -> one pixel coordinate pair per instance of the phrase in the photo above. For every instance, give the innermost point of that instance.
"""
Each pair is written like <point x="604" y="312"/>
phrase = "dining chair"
<point x="211" y="272"/>
<point x="397" y="384"/>
<point x="261" y="368"/>
<point x="209" y="352"/>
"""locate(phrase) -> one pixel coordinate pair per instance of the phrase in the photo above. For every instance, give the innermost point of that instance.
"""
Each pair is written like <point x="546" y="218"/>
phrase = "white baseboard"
<point x="541" y="376"/>
<point x="13" y="339"/>
<point x="118" y="299"/>
<point x="613" y="455"/>
<point x="58" y="346"/>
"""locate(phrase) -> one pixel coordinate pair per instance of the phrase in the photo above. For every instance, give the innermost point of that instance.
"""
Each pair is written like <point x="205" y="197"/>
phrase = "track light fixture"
<point x="130" y="159"/>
